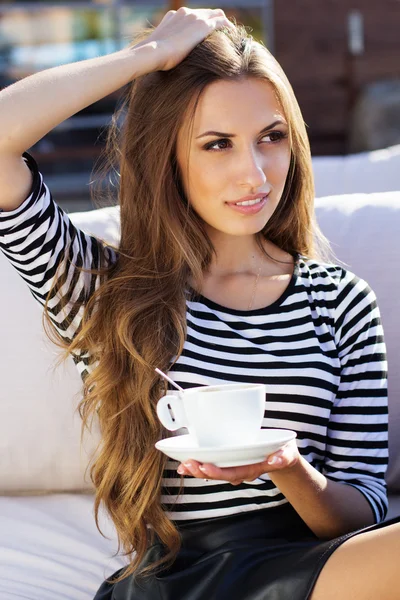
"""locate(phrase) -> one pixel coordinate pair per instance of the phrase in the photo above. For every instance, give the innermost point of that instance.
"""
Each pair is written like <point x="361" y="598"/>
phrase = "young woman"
<point x="221" y="275"/>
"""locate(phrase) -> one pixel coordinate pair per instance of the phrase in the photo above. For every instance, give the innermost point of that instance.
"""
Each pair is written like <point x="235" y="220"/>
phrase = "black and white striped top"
<point x="319" y="348"/>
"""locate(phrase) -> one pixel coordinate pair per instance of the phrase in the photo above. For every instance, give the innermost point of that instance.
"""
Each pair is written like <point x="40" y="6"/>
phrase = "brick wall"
<point x="311" y="45"/>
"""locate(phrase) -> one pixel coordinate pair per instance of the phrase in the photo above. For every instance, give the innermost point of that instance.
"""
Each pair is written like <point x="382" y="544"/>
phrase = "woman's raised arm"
<point x="33" y="106"/>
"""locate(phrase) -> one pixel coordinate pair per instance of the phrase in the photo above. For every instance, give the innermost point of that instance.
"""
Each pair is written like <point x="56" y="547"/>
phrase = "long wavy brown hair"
<point x="136" y="319"/>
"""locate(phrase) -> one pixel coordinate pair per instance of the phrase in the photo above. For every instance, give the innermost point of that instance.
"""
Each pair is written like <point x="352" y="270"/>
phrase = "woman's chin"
<point x="240" y="229"/>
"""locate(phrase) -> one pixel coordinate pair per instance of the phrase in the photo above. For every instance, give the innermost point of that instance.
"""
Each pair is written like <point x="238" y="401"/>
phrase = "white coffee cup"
<point x="218" y="415"/>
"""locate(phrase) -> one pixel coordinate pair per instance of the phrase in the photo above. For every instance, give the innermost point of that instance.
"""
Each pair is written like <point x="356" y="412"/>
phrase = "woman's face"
<point x="248" y="153"/>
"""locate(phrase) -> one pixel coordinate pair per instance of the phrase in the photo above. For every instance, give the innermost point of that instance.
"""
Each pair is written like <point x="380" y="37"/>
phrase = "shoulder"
<point x="332" y="278"/>
<point x="319" y="272"/>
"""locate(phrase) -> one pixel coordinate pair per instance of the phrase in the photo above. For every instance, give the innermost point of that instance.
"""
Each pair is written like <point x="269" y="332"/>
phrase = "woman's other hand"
<point x="181" y="30"/>
<point x="284" y="459"/>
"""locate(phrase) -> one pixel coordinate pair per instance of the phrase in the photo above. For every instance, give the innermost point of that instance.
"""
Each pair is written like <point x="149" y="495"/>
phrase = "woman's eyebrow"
<point x="221" y="134"/>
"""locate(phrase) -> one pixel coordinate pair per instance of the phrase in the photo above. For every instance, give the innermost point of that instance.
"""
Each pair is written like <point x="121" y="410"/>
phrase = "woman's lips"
<point x="249" y="210"/>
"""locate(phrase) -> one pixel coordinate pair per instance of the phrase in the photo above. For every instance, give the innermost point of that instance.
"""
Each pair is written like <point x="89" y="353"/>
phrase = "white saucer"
<point x="268" y="441"/>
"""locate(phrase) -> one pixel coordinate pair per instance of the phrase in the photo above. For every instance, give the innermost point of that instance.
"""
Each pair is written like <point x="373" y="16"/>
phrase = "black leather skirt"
<point x="268" y="554"/>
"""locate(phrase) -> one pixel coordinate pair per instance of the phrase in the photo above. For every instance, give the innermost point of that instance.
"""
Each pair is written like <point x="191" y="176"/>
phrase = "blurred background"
<point x="341" y="57"/>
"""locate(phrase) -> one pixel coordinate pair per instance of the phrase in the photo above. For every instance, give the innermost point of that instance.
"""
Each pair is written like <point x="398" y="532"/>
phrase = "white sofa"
<point x="49" y="545"/>
<point x="367" y="172"/>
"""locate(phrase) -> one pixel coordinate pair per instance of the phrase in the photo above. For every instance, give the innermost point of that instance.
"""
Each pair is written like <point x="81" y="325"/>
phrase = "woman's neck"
<point x="241" y="255"/>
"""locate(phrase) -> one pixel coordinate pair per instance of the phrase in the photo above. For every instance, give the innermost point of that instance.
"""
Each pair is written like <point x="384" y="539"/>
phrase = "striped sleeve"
<point x="37" y="238"/>
<point x="357" y="436"/>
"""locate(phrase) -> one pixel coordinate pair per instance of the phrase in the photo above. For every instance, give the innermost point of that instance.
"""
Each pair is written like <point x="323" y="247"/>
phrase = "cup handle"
<point x="171" y="413"/>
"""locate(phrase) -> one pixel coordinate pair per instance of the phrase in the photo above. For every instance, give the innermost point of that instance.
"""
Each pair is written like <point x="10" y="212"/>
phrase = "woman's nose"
<point x="251" y="170"/>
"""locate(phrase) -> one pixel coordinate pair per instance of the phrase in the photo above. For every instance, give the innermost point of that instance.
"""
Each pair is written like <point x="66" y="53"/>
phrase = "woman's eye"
<point x="275" y="136"/>
<point x="280" y="135"/>
<point x="211" y="146"/>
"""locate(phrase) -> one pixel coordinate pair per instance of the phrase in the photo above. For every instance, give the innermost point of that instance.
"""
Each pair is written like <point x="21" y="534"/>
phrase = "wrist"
<point x="296" y="465"/>
<point x="139" y="60"/>
<point x="297" y="471"/>
<point x="147" y="56"/>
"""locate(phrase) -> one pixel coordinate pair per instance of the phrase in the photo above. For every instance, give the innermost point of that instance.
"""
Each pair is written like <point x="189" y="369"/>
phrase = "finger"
<point x="192" y="466"/>
<point x="247" y="473"/>
<point x="182" y="470"/>
<point x="218" y="12"/>
<point x="212" y="15"/>
<point x="166" y="18"/>
<point x="206" y="11"/>
<point x="234" y="475"/>
<point x="220" y="22"/>
<point x="276" y="459"/>
<point x="200" y="12"/>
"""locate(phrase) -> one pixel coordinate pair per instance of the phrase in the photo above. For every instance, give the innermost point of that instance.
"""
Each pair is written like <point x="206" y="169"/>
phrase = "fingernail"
<point x="203" y="469"/>
<point x="274" y="460"/>
<point x="180" y="470"/>
<point x="187" y="464"/>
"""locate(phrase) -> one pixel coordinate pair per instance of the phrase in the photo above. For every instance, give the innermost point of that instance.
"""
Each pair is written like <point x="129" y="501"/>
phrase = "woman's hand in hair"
<point x="181" y="30"/>
<point x="283" y="460"/>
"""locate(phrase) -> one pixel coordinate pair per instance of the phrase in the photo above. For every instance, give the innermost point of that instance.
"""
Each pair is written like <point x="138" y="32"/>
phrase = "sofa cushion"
<point x="39" y="427"/>
<point x="364" y="230"/>
<point x="366" y="172"/>
<point x="50" y="548"/>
